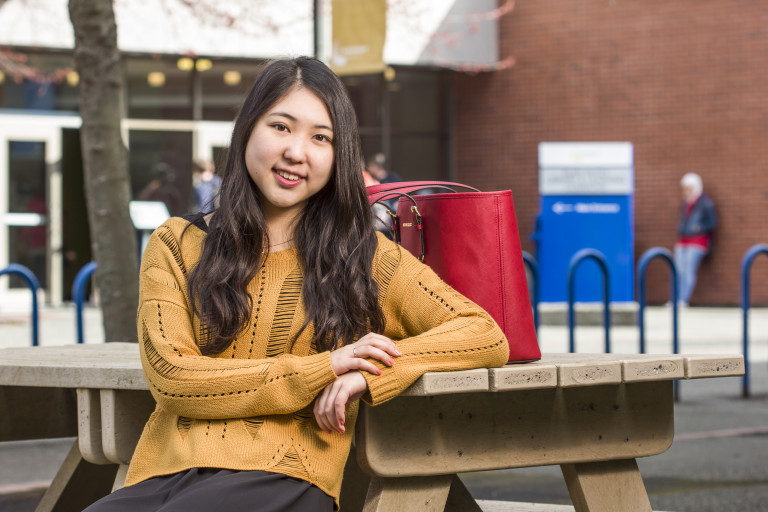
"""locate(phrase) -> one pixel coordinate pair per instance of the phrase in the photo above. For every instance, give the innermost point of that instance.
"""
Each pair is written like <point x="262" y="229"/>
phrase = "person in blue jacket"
<point x="696" y="225"/>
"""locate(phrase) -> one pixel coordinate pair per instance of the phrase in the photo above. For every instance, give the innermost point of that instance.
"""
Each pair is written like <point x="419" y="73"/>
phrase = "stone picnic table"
<point x="592" y="414"/>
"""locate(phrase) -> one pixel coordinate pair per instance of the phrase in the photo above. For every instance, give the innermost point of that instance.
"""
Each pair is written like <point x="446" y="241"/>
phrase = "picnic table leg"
<point x="77" y="484"/>
<point x="606" y="486"/>
<point x="119" y="483"/>
<point x="412" y="494"/>
<point x="123" y="416"/>
<point x="460" y="499"/>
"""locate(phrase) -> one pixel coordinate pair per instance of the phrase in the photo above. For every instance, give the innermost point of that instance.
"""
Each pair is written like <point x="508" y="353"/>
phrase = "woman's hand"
<point x="331" y="402"/>
<point x="353" y="356"/>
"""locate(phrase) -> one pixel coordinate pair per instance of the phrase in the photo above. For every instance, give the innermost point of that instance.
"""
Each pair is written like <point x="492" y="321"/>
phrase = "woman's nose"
<point x="295" y="150"/>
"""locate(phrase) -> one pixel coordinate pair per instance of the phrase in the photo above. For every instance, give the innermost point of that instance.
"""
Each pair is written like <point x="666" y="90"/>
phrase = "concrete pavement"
<point x="717" y="462"/>
<point x="701" y="330"/>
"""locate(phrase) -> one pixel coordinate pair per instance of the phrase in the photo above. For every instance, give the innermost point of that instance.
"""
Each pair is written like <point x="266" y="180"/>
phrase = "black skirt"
<point x="217" y="490"/>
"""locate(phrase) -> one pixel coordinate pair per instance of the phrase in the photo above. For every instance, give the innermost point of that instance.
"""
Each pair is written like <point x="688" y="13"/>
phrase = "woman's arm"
<point x="438" y="328"/>
<point x="186" y="383"/>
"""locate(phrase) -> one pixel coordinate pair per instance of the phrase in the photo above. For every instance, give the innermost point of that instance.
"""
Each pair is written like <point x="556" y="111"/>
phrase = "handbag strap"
<point x="377" y="192"/>
<point x="396" y="219"/>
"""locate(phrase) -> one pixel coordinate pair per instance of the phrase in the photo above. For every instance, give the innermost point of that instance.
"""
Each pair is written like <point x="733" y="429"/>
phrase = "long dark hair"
<point x="334" y="235"/>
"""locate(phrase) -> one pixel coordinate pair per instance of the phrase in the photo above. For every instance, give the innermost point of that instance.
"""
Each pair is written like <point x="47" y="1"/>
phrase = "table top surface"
<point x="117" y="366"/>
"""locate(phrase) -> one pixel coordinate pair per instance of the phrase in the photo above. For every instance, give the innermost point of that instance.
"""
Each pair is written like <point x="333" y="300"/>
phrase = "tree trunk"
<point x="107" y="189"/>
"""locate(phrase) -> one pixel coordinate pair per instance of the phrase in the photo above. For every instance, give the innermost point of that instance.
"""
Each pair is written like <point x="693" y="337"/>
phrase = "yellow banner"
<point x="359" y="29"/>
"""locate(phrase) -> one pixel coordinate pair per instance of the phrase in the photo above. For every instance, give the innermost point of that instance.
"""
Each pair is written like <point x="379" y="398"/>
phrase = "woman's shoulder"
<point x="386" y="248"/>
<point x="170" y="234"/>
<point x="179" y="226"/>
<point x="385" y="244"/>
<point x="391" y="256"/>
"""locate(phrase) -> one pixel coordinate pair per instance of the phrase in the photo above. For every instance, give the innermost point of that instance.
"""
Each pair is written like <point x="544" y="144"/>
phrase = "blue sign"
<point x="571" y="223"/>
<point x="586" y="201"/>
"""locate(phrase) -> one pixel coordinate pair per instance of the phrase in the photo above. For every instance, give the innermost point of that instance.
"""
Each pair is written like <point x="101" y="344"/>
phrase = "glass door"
<point x="212" y="140"/>
<point x="30" y="205"/>
<point x="211" y="146"/>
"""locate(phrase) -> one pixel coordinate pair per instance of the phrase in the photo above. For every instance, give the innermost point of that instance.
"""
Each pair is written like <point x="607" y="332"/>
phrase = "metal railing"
<point x="34" y="285"/>
<point x="746" y="267"/>
<point x="642" y="267"/>
<point x="576" y="260"/>
<point x="533" y="268"/>
<point x="78" y="296"/>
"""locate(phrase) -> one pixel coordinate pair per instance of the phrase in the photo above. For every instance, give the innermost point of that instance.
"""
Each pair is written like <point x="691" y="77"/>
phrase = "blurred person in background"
<point x="377" y="168"/>
<point x="205" y="183"/>
<point x="696" y="225"/>
<point x="163" y="188"/>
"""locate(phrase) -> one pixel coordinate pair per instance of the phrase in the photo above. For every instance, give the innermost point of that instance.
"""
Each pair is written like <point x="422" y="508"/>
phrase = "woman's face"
<point x="289" y="155"/>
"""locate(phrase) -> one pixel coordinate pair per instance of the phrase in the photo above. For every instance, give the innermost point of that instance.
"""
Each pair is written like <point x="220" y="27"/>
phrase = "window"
<point x="157" y="89"/>
<point x="56" y="88"/>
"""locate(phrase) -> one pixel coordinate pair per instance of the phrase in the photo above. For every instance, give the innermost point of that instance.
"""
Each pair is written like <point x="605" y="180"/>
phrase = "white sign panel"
<point x="589" y="168"/>
<point x="584" y="181"/>
<point x="586" y="154"/>
<point x="148" y="215"/>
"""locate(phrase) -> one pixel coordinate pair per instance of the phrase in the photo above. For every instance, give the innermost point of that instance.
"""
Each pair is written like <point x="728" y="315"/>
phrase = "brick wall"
<point x="684" y="81"/>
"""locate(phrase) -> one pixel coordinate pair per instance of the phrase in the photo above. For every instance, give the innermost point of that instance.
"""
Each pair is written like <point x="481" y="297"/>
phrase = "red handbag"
<point x="470" y="239"/>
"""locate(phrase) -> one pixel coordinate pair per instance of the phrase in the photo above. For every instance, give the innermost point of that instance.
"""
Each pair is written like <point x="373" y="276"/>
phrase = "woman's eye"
<point x="280" y="127"/>
<point x="322" y="138"/>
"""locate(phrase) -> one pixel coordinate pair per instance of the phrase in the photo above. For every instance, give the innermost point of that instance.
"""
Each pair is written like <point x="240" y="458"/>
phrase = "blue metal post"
<point x="746" y="264"/>
<point x="34" y="285"/>
<point x="642" y="266"/>
<point x="78" y="295"/>
<point x="533" y="267"/>
<point x="600" y="259"/>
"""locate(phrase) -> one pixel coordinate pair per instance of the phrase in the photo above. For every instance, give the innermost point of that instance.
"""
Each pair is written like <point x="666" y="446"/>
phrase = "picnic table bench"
<point x="592" y="414"/>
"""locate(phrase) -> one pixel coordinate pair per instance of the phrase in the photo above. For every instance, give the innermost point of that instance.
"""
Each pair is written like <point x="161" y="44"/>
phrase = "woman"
<point x="263" y="323"/>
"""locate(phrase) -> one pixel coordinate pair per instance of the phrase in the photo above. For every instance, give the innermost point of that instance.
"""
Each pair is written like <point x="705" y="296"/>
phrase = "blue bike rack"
<point x="78" y="295"/>
<point x="746" y="265"/>
<point x="34" y="285"/>
<point x="642" y="266"/>
<point x="533" y="267"/>
<point x="576" y="260"/>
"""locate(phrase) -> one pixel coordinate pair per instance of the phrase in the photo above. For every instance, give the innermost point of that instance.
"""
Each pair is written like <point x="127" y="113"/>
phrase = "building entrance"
<point x="43" y="216"/>
<point x="31" y="210"/>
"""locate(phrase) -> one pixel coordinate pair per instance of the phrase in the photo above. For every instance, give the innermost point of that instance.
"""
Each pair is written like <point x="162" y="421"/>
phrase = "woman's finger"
<point x="381" y="342"/>
<point x="340" y="402"/>
<point x="324" y="406"/>
<point x="374" y="352"/>
<point x="334" y="395"/>
<point x="365" y="365"/>
<point x="385" y="345"/>
<point x="318" y="410"/>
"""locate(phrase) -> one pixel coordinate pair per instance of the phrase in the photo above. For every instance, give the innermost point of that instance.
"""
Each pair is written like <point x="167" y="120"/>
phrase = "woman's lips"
<point x="287" y="179"/>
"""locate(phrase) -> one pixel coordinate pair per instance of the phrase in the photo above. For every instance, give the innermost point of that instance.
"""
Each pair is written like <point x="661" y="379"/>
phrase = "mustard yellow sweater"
<point x="250" y="407"/>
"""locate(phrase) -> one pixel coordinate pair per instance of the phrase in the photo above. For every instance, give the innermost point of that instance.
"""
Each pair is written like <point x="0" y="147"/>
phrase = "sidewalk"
<point x="717" y="462"/>
<point x="701" y="330"/>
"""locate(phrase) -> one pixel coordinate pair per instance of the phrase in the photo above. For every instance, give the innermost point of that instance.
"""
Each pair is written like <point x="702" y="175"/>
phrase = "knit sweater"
<point x="250" y="407"/>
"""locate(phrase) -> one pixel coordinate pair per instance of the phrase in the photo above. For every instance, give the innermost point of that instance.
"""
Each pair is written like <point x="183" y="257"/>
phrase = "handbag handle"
<point x="396" y="220"/>
<point x="395" y="228"/>
<point x="376" y="192"/>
